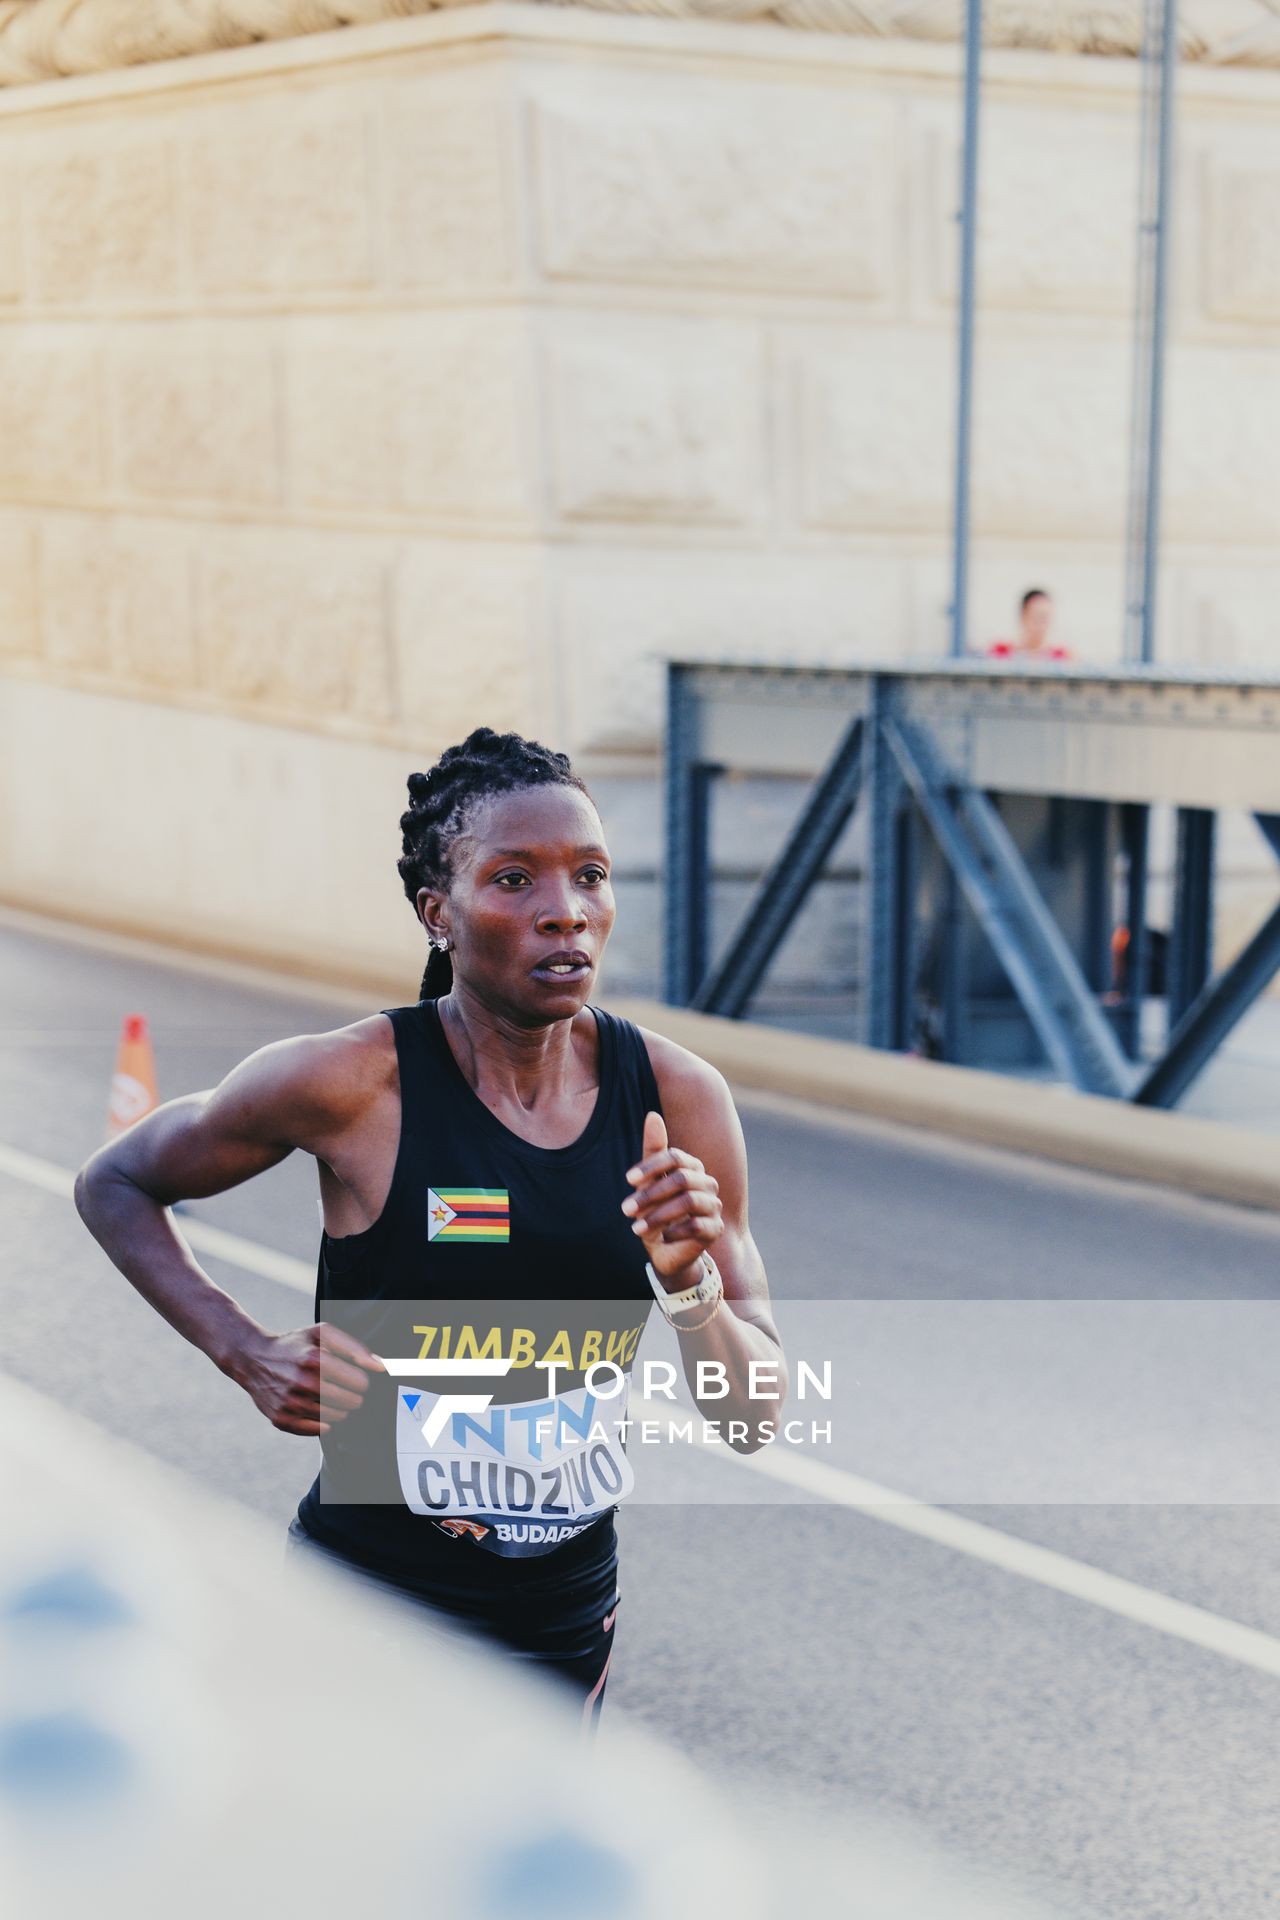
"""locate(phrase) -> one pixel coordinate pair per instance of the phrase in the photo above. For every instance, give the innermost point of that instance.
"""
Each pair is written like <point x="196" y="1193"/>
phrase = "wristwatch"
<point x="698" y="1295"/>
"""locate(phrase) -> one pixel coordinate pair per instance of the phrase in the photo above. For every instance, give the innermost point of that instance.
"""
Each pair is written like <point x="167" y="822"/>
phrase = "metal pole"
<point x="968" y="217"/>
<point x="684" y="894"/>
<point x="1151" y="322"/>
<point x="1191" y="936"/>
<point x="1151" y="531"/>
<point x="1134" y="832"/>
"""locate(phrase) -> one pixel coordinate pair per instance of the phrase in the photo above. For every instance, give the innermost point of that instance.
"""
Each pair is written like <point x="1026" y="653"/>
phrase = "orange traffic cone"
<point x="133" y="1084"/>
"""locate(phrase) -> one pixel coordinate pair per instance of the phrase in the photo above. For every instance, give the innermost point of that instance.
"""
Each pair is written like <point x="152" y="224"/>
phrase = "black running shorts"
<point x="557" y="1613"/>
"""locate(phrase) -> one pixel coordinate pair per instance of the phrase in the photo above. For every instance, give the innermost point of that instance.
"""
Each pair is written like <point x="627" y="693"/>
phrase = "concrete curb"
<point x="1055" y="1123"/>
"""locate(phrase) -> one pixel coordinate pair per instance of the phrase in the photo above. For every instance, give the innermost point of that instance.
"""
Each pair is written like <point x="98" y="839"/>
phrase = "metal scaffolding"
<point x="1159" y="64"/>
<point x="1029" y="791"/>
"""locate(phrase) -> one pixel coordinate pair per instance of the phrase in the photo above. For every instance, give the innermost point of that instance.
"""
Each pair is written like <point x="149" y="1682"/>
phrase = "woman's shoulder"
<point x="686" y="1082"/>
<point x="309" y="1089"/>
<point x="371" y="1037"/>
<point x="698" y="1108"/>
<point x="340" y="1064"/>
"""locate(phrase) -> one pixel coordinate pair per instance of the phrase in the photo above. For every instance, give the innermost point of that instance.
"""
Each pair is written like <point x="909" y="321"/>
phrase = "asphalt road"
<point x="807" y="1650"/>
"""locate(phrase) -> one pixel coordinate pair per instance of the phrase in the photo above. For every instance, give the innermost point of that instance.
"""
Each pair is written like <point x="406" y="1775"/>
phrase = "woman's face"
<point x="1037" y="618"/>
<point x="530" y="905"/>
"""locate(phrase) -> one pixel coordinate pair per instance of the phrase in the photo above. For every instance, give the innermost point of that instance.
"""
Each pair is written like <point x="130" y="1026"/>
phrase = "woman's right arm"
<point x="295" y="1093"/>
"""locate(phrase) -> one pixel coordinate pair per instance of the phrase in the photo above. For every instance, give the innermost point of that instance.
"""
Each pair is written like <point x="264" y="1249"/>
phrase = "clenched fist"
<point x="674" y="1208"/>
<point x="306" y="1379"/>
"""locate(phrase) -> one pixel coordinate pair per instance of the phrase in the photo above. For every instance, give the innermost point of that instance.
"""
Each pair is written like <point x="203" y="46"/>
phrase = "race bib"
<point x="520" y="1478"/>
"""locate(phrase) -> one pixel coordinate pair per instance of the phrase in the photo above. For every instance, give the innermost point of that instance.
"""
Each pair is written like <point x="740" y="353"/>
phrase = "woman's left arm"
<point x="689" y="1194"/>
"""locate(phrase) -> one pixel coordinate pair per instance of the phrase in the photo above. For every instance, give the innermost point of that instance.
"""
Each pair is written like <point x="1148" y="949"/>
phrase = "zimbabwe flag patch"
<point x="468" y="1213"/>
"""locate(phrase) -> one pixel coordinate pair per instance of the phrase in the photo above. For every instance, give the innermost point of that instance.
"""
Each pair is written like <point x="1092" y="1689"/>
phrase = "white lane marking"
<point x="37" y="1173"/>
<point x="199" y="1235"/>
<point x="248" y="1254"/>
<point x="1046" y="1567"/>
<point x="1197" y="1626"/>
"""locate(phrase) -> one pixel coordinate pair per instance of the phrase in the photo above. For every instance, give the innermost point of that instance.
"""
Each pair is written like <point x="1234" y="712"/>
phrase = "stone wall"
<point x="359" y="388"/>
<point x="44" y="39"/>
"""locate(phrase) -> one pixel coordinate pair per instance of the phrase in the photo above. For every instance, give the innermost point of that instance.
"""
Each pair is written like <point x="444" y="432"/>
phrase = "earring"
<point x="441" y="946"/>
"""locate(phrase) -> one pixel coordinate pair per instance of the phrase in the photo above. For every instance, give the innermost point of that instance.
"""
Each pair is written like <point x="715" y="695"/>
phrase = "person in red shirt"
<point x="1035" y="622"/>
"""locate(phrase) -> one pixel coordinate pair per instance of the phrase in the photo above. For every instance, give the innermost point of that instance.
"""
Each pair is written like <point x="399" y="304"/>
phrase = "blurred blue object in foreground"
<point x="186" y="1720"/>
<point x="190" y="1726"/>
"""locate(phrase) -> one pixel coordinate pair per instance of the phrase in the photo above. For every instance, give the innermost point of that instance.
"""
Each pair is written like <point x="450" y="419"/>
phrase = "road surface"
<point x="1125" y="1771"/>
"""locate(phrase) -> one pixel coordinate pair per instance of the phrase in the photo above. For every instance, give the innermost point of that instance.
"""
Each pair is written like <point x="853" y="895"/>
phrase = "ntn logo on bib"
<point x="559" y="1460"/>
<point x="469" y="1213"/>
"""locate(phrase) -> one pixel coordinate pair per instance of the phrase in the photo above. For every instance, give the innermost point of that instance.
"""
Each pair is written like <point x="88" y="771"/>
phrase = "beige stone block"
<point x="657" y="419"/>
<point x="77" y="579"/>
<point x="467" y="415"/>
<point x="1051" y="436"/>
<point x="620" y="618"/>
<point x="19" y="586"/>
<point x="343" y="414"/>
<point x="279" y="194"/>
<point x="50" y="401"/>
<point x="467" y="638"/>
<point x="868" y="428"/>
<point x="193" y="413"/>
<point x="449" y="221"/>
<point x="1242" y="239"/>
<point x="426" y="412"/>
<point x="292" y="626"/>
<point x="117" y="598"/>
<point x="1224" y="616"/>
<point x="10" y="238"/>
<point x="927" y="632"/>
<point x="1057" y="209"/>
<point x="152" y="605"/>
<point x="274" y="844"/>
<point x="100" y="217"/>
<point x="1222" y="448"/>
<point x="673" y="176"/>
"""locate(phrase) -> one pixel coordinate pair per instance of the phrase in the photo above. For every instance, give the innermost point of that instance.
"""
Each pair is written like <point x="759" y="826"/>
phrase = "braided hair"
<point x="441" y="802"/>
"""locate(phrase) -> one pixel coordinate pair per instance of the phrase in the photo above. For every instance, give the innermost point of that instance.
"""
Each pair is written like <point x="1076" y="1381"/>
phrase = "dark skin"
<point x="529" y="880"/>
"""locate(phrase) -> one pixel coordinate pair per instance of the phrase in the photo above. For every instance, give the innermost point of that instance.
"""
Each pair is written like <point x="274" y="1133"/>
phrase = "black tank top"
<point x="489" y="1249"/>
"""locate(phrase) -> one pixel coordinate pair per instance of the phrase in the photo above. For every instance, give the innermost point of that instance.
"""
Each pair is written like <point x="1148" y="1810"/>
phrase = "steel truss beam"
<point x="688" y="802"/>
<point x="1190" y="938"/>
<point x="1220" y="1004"/>
<point x="729" y="986"/>
<point x="1135" y="834"/>
<point x="930" y="745"/>
<point x="888" y="888"/>
<point x="1269" y="824"/>
<point x="1008" y="905"/>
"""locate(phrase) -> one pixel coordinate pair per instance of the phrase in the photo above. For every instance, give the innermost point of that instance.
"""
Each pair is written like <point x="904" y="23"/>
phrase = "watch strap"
<point x="699" y="1295"/>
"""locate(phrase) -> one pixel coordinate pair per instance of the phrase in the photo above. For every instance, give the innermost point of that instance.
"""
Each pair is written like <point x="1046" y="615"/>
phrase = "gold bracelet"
<point x="701" y="1323"/>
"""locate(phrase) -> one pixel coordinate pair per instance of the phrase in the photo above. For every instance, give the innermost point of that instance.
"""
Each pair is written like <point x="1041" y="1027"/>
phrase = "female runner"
<point x="498" y="1154"/>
